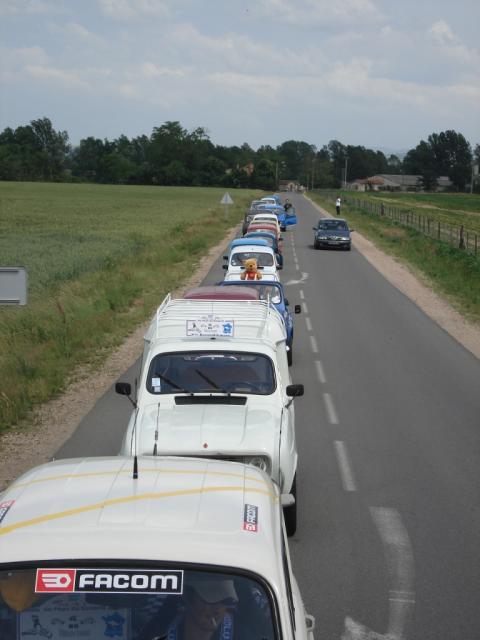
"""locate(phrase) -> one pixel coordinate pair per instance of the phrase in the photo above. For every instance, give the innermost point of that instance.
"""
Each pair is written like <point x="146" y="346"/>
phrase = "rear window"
<point x="263" y="259"/>
<point x="133" y="603"/>
<point x="211" y="372"/>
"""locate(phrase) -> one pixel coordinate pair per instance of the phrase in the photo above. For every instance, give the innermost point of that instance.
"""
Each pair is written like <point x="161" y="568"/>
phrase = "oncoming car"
<point x="332" y="232"/>
<point x="180" y="548"/>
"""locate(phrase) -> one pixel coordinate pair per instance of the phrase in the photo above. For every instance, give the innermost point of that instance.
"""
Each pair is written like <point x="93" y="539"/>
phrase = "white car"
<point x="266" y="217"/>
<point x="215" y="383"/>
<point x="264" y="255"/>
<point x="88" y="551"/>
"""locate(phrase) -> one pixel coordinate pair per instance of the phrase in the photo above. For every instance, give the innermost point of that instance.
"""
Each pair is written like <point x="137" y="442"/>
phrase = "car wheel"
<point x="290" y="513"/>
<point x="316" y="245"/>
<point x="290" y="355"/>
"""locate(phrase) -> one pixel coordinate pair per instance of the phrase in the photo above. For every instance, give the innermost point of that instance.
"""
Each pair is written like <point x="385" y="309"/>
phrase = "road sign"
<point x="13" y="285"/>
<point x="226" y="199"/>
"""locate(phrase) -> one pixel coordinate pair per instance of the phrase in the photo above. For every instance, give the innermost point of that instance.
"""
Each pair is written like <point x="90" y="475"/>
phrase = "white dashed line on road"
<point x="400" y="563"/>
<point x="346" y="473"/>
<point x="330" y="407"/>
<point x="301" y="294"/>
<point x="313" y="343"/>
<point x="305" y="308"/>
<point x="308" y="322"/>
<point x="320" y="373"/>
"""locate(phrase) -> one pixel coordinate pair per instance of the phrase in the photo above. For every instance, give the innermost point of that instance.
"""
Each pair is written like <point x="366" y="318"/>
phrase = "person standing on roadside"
<point x="338" y="204"/>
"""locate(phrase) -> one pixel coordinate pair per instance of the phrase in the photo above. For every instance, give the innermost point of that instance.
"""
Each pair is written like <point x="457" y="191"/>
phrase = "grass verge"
<point x="452" y="273"/>
<point x="99" y="260"/>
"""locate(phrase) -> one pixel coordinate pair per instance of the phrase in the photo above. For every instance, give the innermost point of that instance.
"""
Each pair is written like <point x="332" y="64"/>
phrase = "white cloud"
<point x="51" y="75"/>
<point x="441" y="33"/>
<point x="25" y="7"/>
<point x="151" y="70"/>
<point x="320" y="12"/>
<point x="126" y="10"/>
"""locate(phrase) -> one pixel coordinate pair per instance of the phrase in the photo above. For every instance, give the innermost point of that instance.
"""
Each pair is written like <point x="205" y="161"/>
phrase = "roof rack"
<point x="257" y="315"/>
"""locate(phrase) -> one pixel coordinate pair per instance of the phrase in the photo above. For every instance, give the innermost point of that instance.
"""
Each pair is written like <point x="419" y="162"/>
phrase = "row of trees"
<point x="171" y="155"/>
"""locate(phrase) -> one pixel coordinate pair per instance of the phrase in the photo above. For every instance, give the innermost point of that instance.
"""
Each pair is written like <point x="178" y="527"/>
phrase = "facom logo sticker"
<point x="55" y="580"/>
<point x="4" y="508"/>
<point x="108" y="580"/>
<point x="250" y="518"/>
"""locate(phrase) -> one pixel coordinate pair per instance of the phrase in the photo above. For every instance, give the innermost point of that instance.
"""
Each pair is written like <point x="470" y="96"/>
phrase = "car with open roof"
<point x="146" y="548"/>
<point x="274" y="294"/>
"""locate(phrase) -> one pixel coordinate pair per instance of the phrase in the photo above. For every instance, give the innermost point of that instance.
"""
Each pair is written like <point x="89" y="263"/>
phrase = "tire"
<point x="290" y="356"/>
<point x="316" y="245"/>
<point x="290" y="513"/>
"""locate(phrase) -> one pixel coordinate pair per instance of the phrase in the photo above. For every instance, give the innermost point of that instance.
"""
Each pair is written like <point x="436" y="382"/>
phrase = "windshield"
<point x="92" y="603"/>
<point x="210" y="372"/>
<point x="263" y="259"/>
<point x="332" y="225"/>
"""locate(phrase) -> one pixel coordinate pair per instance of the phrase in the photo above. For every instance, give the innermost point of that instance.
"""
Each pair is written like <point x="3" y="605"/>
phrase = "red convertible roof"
<point x="232" y="292"/>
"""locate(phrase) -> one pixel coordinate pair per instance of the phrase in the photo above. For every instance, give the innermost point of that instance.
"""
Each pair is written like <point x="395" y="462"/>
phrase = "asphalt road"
<point x="389" y="447"/>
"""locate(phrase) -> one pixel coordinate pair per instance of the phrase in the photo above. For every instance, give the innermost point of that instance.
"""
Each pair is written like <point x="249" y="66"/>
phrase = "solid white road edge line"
<point x="399" y="557"/>
<point x="346" y="473"/>
<point x="330" y="407"/>
<point x="320" y="372"/>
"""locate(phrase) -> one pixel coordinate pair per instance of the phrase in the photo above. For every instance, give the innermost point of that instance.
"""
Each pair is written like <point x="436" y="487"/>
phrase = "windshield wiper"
<point x="211" y="382"/>
<point x="173" y="384"/>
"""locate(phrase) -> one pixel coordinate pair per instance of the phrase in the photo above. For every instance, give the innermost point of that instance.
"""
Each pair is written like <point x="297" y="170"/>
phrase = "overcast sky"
<point x="377" y="73"/>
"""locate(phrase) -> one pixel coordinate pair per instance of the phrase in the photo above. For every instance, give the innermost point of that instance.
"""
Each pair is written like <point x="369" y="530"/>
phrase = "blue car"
<point x="285" y="218"/>
<point x="273" y="291"/>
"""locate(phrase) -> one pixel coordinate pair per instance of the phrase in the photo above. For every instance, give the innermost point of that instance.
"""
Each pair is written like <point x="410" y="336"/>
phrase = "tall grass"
<point x="452" y="273"/>
<point x="99" y="260"/>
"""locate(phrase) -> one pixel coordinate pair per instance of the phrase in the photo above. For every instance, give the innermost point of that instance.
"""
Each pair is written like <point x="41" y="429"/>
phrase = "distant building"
<point x="288" y="185"/>
<point x="393" y="182"/>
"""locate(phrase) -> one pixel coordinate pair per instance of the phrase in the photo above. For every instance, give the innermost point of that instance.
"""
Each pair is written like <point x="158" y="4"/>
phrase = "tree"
<point x="452" y="156"/>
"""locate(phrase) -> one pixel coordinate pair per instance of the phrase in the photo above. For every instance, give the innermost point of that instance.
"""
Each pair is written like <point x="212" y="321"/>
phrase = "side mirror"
<point x="225" y="266"/>
<point x="298" y="308"/>
<point x="314" y="228"/>
<point x="123" y="388"/>
<point x="225" y="257"/>
<point x="287" y="500"/>
<point x="295" y="390"/>
<point x="287" y="304"/>
<point x="279" y="266"/>
<point x="280" y="239"/>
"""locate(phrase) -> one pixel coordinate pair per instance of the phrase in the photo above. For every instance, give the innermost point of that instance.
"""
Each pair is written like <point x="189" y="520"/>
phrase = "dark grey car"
<point x="332" y="232"/>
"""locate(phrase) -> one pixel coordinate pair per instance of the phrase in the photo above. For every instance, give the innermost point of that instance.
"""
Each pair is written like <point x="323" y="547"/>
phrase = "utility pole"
<point x="345" y="177"/>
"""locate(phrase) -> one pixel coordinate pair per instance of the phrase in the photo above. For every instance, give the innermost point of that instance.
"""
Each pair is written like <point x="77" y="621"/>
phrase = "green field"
<point x="454" y="274"/>
<point x="99" y="259"/>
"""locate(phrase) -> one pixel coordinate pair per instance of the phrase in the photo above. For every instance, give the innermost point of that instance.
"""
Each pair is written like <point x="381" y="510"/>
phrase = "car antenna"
<point x="134" y="446"/>
<point x="156" y="432"/>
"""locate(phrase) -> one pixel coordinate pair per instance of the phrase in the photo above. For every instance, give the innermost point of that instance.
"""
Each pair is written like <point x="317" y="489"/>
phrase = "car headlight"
<point x="322" y="237"/>
<point x="345" y="239"/>
<point x="261" y="462"/>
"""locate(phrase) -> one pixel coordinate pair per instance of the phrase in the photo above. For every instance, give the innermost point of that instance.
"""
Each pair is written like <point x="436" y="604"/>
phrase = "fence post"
<point x="461" y="240"/>
<point x="439" y="223"/>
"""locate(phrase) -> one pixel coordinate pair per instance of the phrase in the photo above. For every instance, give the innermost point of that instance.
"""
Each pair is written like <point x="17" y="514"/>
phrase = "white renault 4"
<point x="188" y="549"/>
<point x="215" y="383"/>
<point x="264" y="255"/>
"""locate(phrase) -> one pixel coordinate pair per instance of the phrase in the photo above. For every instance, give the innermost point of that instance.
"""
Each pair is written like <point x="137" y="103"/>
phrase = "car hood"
<point x="209" y="429"/>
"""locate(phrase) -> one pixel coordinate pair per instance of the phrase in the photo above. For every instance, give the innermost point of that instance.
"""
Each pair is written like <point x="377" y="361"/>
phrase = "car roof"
<point x="254" y="322"/>
<point x="246" y="241"/>
<point x="260" y="234"/>
<point x="218" y="293"/>
<point x="179" y="509"/>
<point x="256" y="248"/>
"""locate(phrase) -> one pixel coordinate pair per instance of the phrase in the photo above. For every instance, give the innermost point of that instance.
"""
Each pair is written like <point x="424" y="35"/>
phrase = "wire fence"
<point x="456" y="236"/>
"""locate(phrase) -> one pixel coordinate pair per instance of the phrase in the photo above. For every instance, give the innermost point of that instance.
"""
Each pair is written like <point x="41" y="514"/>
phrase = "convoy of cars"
<point x="187" y="525"/>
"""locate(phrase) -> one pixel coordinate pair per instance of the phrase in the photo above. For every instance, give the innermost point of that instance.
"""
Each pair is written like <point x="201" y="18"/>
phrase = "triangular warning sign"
<point x="226" y="199"/>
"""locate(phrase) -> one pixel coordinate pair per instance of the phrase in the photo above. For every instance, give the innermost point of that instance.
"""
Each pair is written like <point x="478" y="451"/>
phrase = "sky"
<point x="376" y="73"/>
